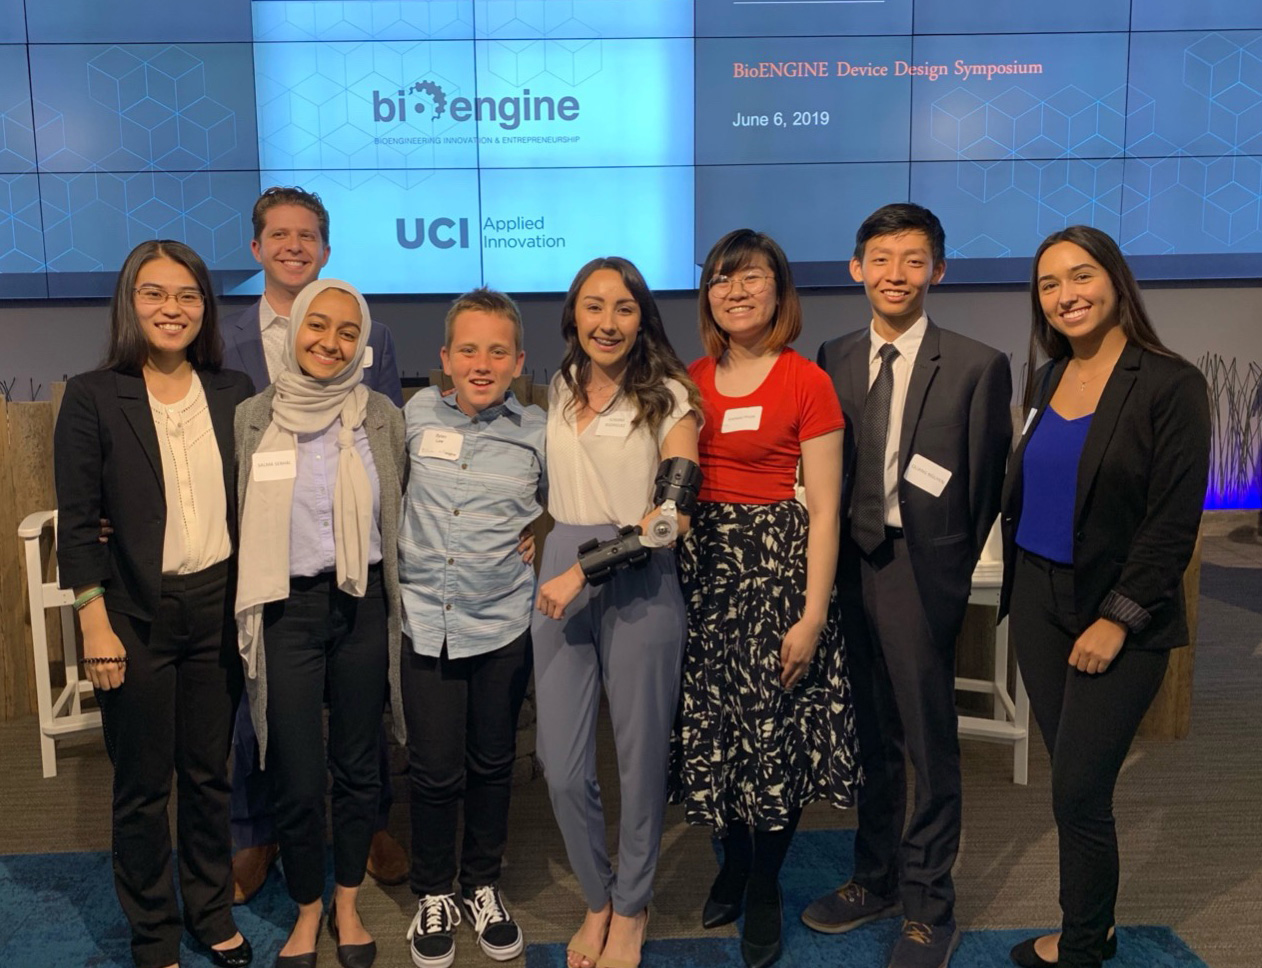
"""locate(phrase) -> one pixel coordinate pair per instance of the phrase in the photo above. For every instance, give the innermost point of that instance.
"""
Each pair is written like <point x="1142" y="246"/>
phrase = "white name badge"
<point x="367" y="356"/>
<point x="742" y="418"/>
<point x="275" y="465"/>
<point x="443" y="444"/>
<point x="614" y="424"/>
<point x="927" y="475"/>
<point x="1029" y="419"/>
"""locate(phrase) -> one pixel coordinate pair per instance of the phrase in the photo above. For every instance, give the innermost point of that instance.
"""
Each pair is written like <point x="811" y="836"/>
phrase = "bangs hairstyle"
<point x="488" y="301"/>
<point x="651" y="360"/>
<point x="1132" y="316"/>
<point x="899" y="218"/>
<point x="284" y="195"/>
<point x="732" y="253"/>
<point x="129" y="349"/>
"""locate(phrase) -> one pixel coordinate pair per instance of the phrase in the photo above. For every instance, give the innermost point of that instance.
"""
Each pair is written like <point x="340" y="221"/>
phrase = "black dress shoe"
<point x="764" y="950"/>
<point x="237" y="957"/>
<point x="351" y="955"/>
<point x="1024" y="956"/>
<point x="715" y="914"/>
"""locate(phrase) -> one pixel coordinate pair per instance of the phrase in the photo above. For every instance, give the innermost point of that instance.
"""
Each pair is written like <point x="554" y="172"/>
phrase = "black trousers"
<point x="173" y="713"/>
<point x="251" y="802"/>
<point x="462" y="739"/>
<point x="903" y="682"/>
<point x="316" y="638"/>
<point x="1088" y="723"/>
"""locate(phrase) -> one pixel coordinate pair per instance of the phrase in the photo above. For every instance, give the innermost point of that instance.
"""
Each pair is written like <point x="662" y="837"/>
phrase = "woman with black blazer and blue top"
<point x="1101" y="509"/>
<point x="146" y="441"/>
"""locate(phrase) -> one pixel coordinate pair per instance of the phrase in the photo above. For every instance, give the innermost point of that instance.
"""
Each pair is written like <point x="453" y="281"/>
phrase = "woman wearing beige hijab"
<point x="320" y="466"/>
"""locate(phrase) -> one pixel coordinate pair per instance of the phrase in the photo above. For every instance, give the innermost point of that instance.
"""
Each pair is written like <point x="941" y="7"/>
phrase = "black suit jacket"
<point x="107" y="464"/>
<point x="1140" y="490"/>
<point x="243" y="350"/>
<point x="957" y="415"/>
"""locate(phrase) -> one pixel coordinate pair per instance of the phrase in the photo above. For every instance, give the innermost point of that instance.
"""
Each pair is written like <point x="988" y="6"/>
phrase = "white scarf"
<point x="303" y="404"/>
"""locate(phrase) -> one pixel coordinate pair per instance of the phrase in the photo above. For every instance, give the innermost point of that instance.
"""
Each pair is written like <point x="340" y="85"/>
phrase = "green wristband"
<point x="88" y="596"/>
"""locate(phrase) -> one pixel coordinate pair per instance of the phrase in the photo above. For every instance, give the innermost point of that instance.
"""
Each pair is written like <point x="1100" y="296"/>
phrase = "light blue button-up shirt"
<point x="311" y="548"/>
<point x="474" y="484"/>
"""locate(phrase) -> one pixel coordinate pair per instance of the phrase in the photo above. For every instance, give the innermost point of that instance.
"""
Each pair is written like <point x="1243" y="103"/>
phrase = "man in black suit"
<point x="927" y="436"/>
<point x="291" y="232"/>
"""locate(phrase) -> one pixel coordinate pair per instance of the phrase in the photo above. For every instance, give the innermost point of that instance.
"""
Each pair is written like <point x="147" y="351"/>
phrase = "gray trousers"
<point x="627" y="635"/>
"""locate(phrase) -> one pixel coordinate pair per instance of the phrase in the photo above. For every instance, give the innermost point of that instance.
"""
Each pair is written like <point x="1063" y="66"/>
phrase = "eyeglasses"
<point x="753" y="282"/>
<point x="155" y="296"/>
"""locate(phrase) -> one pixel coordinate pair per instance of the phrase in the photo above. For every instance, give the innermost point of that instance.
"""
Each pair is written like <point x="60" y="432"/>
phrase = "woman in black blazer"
<point x="1100" y="515"/>
<point x="146" y="441"/>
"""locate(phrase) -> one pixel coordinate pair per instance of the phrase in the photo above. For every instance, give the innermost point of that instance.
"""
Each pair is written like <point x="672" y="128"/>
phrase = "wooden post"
<point x="15" y="655"/>
<point x="1170" y="715"/>
<point x="26" y="485"/>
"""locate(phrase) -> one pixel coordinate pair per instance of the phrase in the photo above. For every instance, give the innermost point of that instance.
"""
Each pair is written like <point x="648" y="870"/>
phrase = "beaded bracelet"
<point x="100" y="660"/>
<point x="92" y="594"/>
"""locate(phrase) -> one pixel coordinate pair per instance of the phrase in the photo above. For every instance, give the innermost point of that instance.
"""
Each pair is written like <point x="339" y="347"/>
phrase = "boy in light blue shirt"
<point x="476" y="481"/>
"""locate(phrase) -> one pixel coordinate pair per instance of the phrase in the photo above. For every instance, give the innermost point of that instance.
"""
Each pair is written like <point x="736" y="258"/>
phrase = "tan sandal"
<point x="587" y="958"/>
<point x="603" y="962"/>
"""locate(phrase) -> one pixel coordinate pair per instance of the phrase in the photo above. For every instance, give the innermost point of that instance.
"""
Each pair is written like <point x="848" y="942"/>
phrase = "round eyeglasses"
<point x="753" y="282"/>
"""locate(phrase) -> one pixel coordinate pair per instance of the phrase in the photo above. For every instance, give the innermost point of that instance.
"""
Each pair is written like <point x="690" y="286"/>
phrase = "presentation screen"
<point x="506" y="142"/>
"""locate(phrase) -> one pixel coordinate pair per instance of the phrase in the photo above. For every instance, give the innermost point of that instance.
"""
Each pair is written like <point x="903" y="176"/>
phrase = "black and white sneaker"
<point x="497" y="932"/>
<point x="433" y="931"/>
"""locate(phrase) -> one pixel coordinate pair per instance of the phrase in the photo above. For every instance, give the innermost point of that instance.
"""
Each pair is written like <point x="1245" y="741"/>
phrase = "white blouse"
<point x="192" y="478"/>
<point x="605" y="474"/>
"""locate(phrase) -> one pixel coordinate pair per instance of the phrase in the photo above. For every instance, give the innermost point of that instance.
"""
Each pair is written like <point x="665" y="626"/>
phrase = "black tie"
<point x="867" y="508"/>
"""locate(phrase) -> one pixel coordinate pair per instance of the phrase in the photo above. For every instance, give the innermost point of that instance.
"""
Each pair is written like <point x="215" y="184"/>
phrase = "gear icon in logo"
<point x="437" y="97"/>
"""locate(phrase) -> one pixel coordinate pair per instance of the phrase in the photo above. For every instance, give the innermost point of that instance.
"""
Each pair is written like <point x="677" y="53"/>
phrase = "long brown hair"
<point x="651" y="360"/>
<point x="732" y="252"/>
<point x="1132" y="316"/>
<point x="128" y="349"/>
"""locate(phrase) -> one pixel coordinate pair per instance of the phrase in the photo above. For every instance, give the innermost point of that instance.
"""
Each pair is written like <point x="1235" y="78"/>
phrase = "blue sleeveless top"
<point x="1050" y="485"/>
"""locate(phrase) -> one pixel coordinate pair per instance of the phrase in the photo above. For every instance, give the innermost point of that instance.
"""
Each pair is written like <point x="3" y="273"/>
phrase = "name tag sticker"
<point x="614" y="424"/>
<point x="1029" y="419"/>
<point x="275" y="466"/>
<point x="927" y="475"/>
<point x="742" y="418"/>
<point x="443" y="444"/>
<point x="367" y="356"/>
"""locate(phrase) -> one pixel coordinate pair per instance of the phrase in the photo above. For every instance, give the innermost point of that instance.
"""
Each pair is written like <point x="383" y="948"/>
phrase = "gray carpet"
<point x="1188" y="814"/>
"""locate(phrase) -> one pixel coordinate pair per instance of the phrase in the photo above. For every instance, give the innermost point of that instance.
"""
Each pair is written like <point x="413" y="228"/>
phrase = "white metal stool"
<point x="1010" y="722"/>
<point x="65" y="714"/>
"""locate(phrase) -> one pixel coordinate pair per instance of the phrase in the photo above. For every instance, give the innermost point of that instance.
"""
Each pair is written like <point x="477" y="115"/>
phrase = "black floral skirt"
<point x="743" y="749"/>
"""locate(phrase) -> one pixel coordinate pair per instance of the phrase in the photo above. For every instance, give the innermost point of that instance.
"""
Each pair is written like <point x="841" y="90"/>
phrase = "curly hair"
<point x="651" y="361"/>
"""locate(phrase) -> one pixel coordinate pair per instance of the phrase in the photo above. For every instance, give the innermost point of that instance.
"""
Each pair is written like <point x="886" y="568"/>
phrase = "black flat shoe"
<point x="1024" y="956"/>
<point x="715" y="914"/>
<point x="296" y="961"/>
<point x="351" y="955"/>
<point x="237" y="957"/>
<point x="307" y="960"/>
<point x="760" y="954"/>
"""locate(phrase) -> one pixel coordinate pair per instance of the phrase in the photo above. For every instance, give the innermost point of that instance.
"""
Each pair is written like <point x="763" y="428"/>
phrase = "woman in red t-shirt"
<point x="765" y="720"/>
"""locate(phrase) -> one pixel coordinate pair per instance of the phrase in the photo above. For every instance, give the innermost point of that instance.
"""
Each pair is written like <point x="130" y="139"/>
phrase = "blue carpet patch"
<point x="59" y="909"/>
<point x="811" y="869"/>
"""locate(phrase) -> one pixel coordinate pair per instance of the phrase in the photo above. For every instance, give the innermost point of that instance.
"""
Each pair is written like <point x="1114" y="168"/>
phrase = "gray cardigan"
<point x="384" y="425"/>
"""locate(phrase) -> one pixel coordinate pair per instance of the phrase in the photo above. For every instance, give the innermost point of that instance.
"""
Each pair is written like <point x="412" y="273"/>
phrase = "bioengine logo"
<point x="427" y="101"/>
